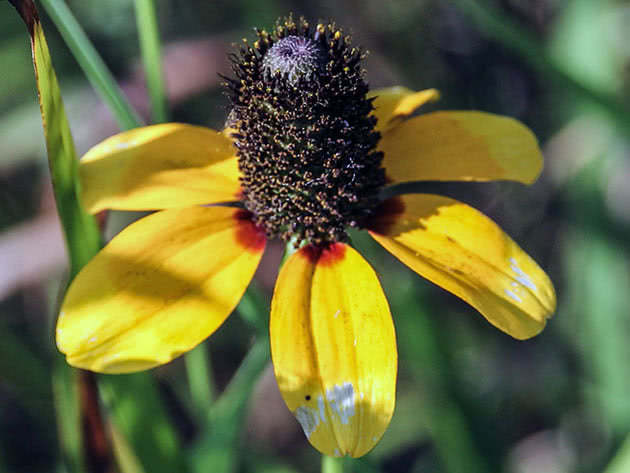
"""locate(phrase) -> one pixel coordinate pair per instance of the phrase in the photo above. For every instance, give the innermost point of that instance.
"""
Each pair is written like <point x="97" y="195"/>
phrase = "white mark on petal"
<point x="522" y="276"/>
<point x="337" y="313"/>
<point x="341" y="400"/>
<point x="308" y="419"/>
<point x="337" y="453"/>
<point x="322" y="408"/>
<point x="355" y="342"/>
<point x="92" y="340"/>
<point x="513" y="295"/>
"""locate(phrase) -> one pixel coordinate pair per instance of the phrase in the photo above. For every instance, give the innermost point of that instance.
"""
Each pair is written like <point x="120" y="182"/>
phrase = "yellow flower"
<point x="169" y="280"/>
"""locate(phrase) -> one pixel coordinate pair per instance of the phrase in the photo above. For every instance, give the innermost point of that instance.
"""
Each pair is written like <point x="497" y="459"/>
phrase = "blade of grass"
<point x="254" y="309"/>
<point x="200" y="379"/>
<point x="198" y="368"/>
<point x="150" y="47"/>
<point x="81" y="232"/>
<point x="508" y="33"/>
<point x="127" y="461"/>
<point x="66" y="399"/>
<point x="597" y="298"/>
<point x="445" y="418"/>
<point x="90" y="61"/>
<point x="217" y="450"/>
<point x="25" y="372"/>
<point x="137" y="410"/>
<point x="621" y="462"/>
<point x="144" y="423"/>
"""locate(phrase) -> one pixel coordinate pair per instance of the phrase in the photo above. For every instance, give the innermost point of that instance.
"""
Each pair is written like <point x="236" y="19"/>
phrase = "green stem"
<point x="200" y="379"/>
<point x="148" y="31"/>
<point x="93" y="66"/>
<point x="332" y="464"/>
<point x="505" y="31"/>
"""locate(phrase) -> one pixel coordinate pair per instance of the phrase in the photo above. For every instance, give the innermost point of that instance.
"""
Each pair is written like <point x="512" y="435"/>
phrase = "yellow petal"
<point x="160" y="167"/>
<point x="334" y="349"/>
<point x="159" y="288"/>
<point x="466" y="253"/>
<point x="460" y="146"/>
<point x="394" y="103"/>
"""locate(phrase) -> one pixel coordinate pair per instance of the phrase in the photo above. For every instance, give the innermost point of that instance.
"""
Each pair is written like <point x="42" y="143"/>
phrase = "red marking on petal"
<point x="385" y="215"/>
<point x="324" y="256"/>
<point x="248" y="235"/>
<point x="311" y="253"/>
<point x="332" y="254"/>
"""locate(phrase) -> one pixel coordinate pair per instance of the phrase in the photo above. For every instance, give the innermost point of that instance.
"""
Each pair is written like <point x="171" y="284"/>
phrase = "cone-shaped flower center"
<point x="304" y="134"/>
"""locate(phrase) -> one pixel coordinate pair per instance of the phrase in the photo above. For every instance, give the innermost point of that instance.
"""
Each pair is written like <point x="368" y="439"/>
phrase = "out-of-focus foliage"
<point x="469" y="398"/>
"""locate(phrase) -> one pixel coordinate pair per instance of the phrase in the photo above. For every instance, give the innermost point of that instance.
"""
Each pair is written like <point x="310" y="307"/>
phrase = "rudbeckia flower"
<point x="305" y="155"/>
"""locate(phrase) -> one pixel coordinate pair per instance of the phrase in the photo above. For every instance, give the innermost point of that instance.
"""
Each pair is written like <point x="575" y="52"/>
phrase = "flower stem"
<point x="148" y="31"/>
<point x="332" y="464"/>
<point x="95" y="69"/>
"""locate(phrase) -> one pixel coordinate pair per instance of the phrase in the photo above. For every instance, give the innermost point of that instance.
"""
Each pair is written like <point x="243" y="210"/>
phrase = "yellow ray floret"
<point x="460" y="146"/>
<point x="394" y="103"/>
<point x="159" y="167"/>
<point x="334" y="349"/>
<point x="159" y="288"/>
<point x="463" y="251"/>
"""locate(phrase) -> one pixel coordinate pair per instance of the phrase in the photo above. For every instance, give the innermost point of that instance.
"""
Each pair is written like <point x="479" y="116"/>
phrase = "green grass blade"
<point x="217" y="450"/>
<point x="17" y="359"/>
<point x="446" y="421"/>
<point x="144" y="423"/>
<point x="200" y="379"/>
<point x="505" y="31"/>
<point x="254" y="309"/>
<point x="66" y="399"/>
<point x="621" y="461"/>
<point x="90" y="61"/>
<point x="137" y="410"/>
<point x="148" y="31"/>
<point x="81" y="232"/>
<point x="127" y="461"/>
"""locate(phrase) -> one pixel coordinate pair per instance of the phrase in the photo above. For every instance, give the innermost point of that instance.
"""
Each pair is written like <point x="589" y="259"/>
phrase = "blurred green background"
<point x="470" y="399"/>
